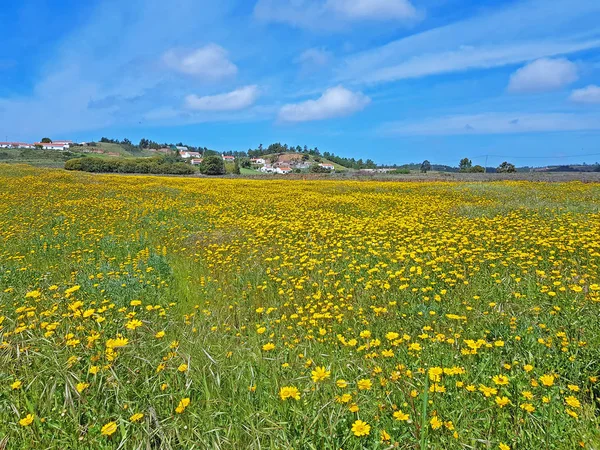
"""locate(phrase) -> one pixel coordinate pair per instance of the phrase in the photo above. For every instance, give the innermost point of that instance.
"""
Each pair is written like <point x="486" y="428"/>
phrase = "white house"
<point x="228" y="158"/>
<point x="260" y="161"/>
<point x="283" y="169"/>
<point x="267" y="168"/>
<point x="15" y="145"/>
<point x="181" y="148"/>
<point x="186" y="154"/>
<point x="327" y="166"/>
<point x="55" y="145"/>
<point x="196" y="161"/>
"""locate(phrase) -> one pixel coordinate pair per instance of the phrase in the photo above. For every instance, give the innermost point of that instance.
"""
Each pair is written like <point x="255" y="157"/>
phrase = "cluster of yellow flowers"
<point x="341" y="314"/>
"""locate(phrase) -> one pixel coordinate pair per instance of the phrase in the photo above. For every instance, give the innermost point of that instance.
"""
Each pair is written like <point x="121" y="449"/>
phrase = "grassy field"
<point x="35" y="157"/>
<point x="161" y="312"/>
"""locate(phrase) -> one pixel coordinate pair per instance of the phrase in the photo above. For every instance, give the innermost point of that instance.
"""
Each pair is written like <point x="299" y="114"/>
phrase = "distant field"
<point x="233" y="313"/>
<point x="35" y="157"/>
<point x="244" y="171"/>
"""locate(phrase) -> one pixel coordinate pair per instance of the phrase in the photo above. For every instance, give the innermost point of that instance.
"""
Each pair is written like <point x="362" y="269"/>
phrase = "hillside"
<point x="117" y="149"/>
<point x="292" y="158"/>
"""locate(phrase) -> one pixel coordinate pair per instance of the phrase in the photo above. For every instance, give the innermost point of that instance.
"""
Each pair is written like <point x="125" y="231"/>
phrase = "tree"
<point x="476" y="169"/>
<point x="212" y="165"/>
<point x="425" y="166"/>
<point x="465" y="164"/>
<point x="46" y="140"/>
<point x="506" y="167"/>
<point x="316" y="168"/>
<point x="236" y="167"/>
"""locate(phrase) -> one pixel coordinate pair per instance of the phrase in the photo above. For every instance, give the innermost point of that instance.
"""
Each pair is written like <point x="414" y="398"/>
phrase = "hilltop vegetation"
<point x="155" y="165"/>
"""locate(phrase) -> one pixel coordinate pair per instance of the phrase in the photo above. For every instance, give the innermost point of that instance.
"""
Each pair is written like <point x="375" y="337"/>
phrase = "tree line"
<point x="155" y="165"/>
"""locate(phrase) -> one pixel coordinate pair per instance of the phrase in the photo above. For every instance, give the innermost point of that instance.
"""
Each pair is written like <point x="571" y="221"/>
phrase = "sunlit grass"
<point x="150" y="312"/>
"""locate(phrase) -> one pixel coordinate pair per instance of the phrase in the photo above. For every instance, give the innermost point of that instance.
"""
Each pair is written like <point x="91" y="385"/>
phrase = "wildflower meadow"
<point x="141" y="312"/>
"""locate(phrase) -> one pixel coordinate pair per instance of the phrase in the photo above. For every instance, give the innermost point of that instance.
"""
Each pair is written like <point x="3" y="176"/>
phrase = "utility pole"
<point x="485" y="167"/>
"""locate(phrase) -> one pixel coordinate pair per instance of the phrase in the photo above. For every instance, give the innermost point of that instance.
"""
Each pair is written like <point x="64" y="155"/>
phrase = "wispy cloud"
<point x="314" y="57"/>
<point x="334" y="14"/>
<point x="373" y="9"/>
<point x="512" y="35"/>
<point x="543" y="75"/>
<point x="231" y="101"/>
<point x="589" y="95"/>
<point x="335" y="102"/>
<point x="494" y="123"/>
<point x="209" y="62"/>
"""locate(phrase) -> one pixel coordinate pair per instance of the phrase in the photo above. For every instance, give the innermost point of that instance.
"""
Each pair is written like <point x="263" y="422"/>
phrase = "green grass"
<point x="245" y="171"/>
<point x="224" y="266"/>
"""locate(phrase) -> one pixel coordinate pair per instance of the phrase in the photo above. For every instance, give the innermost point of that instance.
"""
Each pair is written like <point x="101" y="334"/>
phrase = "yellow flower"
<point x="364" y="384"/>
<point x="341" y="383"/>
<point x="136" y="417"/>
<point x="159" y="334"/>
<point x="16" y="385"/>
<point x="109" y="429"/>
<point x="527" y="407"/>
<point x="183" y="403"/>
<point x="572" y="413"/>
<point x="502" y="401"/>
<point x="392" y="336"/>
<point x="503" y="446"/>
<point x="572" y="402"/>
<point x="182" y="368"/>
<point x="500" y="380"/>
<point x="82" y="387"/>
<point x="269" y="346"/>
<point x="27" y="420"/>
<point x="133" y="324"/>
<point x="135" y="303"/>
<point x="344" y="398"/>
<point x="360" y="428"/>
<point x="527" y="394"/>
<point x="527" y="367"/>
<point x="384" y="436"/>
<point x="399" y="415"/>
<point x="354" y="408"/>
<point x="289" y="392"/>
<point x="320" y="374"/>
<point x="487" y="391"/>
<point x="435" y="374"/>
<point x="547" y="380"/>
<point x="117" y="342"/>
<point x="435" y="423"/>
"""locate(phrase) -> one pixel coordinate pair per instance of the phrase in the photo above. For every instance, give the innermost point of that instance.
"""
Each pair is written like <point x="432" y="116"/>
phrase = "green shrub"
<point x="154" y="165"/>
<point x="212" y="165"/>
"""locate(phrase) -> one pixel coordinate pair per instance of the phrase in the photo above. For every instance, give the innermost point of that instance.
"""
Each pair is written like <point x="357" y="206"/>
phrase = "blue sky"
<point x="393" y="80"/>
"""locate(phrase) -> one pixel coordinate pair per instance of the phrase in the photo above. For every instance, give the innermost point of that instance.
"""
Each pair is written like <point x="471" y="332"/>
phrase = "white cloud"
<point x="210" y="62"/>
<point x="543" y="75"/>
<point x="314" y="57"/>
<point x="515" y="34"/>
<point x="494" y="123"/>
<point x="335" y="102"/>
<point x="373" y="9"/>
<point x="333" y="14"/>
<point x="589" y="94"/>
<point x="232" y="101"/>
